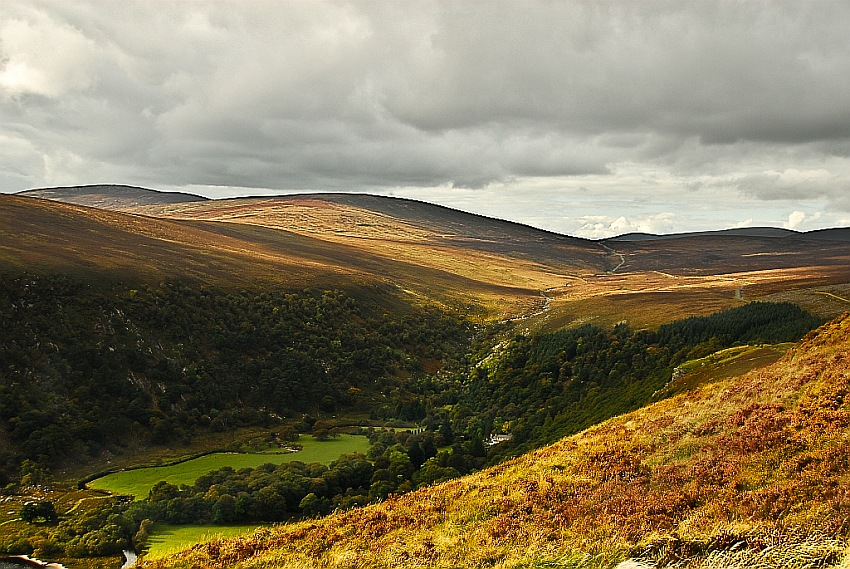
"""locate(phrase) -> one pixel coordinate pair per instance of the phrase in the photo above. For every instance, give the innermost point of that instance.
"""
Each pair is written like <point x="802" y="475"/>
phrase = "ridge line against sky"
<point x="581" y="117"/>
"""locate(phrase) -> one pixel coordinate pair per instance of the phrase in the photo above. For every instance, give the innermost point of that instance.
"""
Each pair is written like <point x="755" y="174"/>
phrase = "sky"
<point x="587" y="118"/>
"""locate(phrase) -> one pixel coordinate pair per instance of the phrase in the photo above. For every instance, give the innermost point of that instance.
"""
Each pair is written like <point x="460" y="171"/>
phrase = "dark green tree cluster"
<point x="266" y="493"/>
<point x="405" y="461"/>
<point x="43" y="511"/>
<point x="753" y="323"/>
<point x="85" y="367"/>
<point x="396" y="463"/>
<point x="545" y="387"/>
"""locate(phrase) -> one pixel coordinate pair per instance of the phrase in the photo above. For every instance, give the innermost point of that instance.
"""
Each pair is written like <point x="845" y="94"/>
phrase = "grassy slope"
<point x="688" y="276"/>
<point x="758" y="460"/>
<point x="167" y="540"/>
<point x="447" y="250"/>
<point x="44" y="236"/>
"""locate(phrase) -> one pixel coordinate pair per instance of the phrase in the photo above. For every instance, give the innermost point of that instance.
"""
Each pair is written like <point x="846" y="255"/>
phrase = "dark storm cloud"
<point x="366" y="95"/>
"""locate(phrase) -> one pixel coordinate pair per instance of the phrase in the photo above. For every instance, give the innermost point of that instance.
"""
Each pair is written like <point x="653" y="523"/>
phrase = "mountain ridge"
<point x="110" y="196"/>
<point x="126" y="197"/>
<point x="835" y="233"/>
<point x="45" y="235"/>
<point x="511" y="270"/>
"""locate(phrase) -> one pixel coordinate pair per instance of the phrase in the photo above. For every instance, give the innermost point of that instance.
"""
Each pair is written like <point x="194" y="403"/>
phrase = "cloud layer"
<point x="658" y="104"/>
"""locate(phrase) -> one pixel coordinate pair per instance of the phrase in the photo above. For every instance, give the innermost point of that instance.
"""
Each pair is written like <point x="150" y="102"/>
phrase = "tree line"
<point x="91" y="368"/>
<point x="543" y="387"/>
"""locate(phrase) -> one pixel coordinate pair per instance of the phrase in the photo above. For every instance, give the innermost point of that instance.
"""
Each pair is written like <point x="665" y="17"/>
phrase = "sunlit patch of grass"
<point x="138" y="482"/>
<point x="722" y="364"/>
<point x="166" y="540"/>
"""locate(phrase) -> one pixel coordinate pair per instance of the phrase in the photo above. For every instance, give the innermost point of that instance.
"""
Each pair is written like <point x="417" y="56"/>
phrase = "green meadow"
<point x="138" y="482"/>
<point x="169" y="539"/>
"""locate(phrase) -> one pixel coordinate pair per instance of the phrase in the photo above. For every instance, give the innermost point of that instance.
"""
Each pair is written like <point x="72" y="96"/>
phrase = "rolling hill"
<point x="508" y="270"/>
<point x="110" y="196"/>
<point x="45" y="236"/>
<point x="837" y="234"/>
<point x="744" y="471"/>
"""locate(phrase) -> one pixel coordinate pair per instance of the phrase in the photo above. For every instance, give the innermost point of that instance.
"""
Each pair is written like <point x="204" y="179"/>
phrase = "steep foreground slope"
<point x="749" y="471"/>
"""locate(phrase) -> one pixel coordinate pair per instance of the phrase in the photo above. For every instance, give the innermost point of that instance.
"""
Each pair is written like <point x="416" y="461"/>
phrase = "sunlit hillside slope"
<point x="110" y="196"/>
<point x="746" y="471"/>
<point x="502" y="269"/>
<point x="46" y="236"/>
<point x="405" y="232"/>
<point x="581" y="281"/>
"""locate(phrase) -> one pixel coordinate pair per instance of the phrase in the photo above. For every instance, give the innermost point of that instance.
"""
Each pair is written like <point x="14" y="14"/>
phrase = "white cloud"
<point x="600" y="226"/>
<point x="798" y="220"/>
<point x="43" y="57"/>
<point x="741" y="224"/>
<point x="795" y="218"/>
<point x="542" y="112"/>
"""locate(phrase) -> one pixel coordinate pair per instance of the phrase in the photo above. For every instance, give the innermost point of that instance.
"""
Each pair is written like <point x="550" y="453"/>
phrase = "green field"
<point x="167" y="539"/>
<point x="138" y="482"/>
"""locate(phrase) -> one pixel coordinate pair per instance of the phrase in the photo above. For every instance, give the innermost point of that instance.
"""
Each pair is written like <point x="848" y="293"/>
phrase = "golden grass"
<point x="391" y="239"/>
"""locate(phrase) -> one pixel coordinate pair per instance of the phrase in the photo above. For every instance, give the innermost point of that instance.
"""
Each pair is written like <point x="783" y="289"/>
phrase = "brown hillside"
<point x="582" y="281"/>
<point x="501" y="269"/>
<point x="110" y="196"/>
<point x="747" y="471"/>
<point x="265" y="248"/>
<point x="45" y="236"/>
<point x="413" y="232"/>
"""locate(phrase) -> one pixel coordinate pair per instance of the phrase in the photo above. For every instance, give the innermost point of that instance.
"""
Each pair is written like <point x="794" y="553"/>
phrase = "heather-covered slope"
<point x="752" y="469"/>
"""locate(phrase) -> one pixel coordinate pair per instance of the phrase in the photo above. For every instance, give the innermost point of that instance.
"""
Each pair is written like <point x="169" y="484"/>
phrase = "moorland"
<point x="511" y="390"/>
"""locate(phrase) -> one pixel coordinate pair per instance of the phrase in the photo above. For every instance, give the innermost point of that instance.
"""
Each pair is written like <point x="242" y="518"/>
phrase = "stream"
<point x="131" y="559"/>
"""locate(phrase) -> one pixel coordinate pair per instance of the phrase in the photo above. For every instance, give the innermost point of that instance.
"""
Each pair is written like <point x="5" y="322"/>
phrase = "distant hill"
<point x="296" y="243"/>
<point x="739" y="232"/>
<point x="110" y="196"/>
<point x="743" y="472"/>
<point x="840" y="234"/>
<point x="505" y="269"/>
<point x="835" y="234"/>
<point x="382" y="223"/>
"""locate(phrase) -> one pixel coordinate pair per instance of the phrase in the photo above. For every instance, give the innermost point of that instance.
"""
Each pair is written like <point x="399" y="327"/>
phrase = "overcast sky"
<point x="588" y="118"/>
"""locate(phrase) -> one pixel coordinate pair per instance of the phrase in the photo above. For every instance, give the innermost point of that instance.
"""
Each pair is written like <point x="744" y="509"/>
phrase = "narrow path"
<point x="832" y="295"/>
<point x="613" y="252"/>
